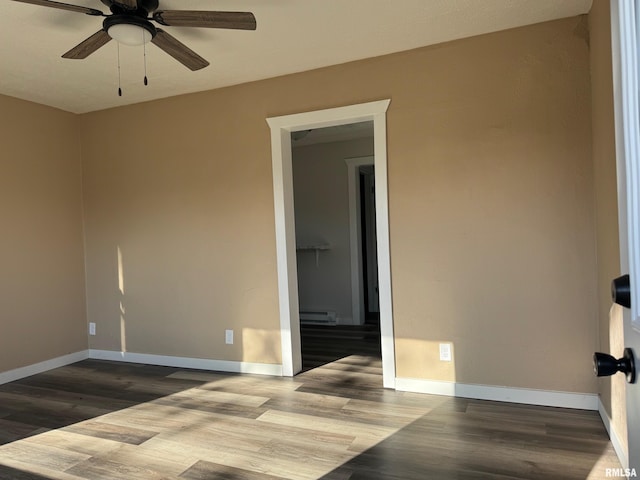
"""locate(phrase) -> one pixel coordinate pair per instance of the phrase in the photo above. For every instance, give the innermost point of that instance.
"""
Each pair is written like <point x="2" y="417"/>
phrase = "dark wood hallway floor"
<point x="323" y="344"/>
<point x="98" y="420"/>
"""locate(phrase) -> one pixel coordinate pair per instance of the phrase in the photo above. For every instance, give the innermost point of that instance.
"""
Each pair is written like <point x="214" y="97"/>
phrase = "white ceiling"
<point x="292" y="36"/>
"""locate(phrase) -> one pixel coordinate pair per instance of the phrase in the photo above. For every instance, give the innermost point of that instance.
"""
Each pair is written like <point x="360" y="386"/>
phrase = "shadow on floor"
<point x="85" y="390"/>
<point x="323" y="344"/>
<point x="466" y="439"/>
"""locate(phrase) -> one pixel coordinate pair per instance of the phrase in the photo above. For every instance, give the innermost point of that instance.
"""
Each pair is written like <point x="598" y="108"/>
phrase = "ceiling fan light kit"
<point x="129" y="23"/>
<point x="129" y="30"/>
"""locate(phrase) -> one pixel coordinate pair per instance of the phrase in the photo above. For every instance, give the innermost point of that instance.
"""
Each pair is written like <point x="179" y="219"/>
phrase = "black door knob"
<point x="621" y="291"/>
<point x="605" y="365"/>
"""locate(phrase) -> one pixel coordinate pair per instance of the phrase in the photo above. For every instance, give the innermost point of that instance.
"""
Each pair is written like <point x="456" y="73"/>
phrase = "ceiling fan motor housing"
<point x="144" y="7"/>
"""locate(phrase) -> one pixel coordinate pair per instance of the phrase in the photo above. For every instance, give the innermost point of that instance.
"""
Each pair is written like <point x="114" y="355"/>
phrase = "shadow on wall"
<point x="137" y="301"/>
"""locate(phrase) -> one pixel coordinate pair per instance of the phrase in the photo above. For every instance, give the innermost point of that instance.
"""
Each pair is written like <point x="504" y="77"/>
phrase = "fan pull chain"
<point x="119" y="83"/>
<point x="144" y="46"/>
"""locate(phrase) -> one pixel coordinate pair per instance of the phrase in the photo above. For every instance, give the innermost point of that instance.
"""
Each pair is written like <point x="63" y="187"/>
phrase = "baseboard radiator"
<point x="318" y="318"/>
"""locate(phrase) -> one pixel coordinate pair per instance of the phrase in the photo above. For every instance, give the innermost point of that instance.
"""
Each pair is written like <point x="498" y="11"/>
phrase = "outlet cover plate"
<point x="445" y="352"/>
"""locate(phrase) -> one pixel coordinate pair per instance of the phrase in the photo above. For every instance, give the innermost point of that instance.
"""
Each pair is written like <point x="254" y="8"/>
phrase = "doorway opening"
<point x="336" y="251"/>
<point x="367" y="183"/>
<point x="281" y="150"/>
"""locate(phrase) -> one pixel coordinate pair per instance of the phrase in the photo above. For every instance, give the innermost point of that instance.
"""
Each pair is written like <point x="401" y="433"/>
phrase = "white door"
<point x="625" y="36"/>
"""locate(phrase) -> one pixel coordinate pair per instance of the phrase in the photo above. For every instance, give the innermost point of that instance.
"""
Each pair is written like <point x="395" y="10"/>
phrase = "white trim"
<point x="357" y="292"/>
<point x="281" y="128"/>
<point x="627" y="125"/>
<point x="549" y="398"/>
<point x="188" y="362"/>
<point x="621" y="452"/>
<point x="282" y="165"/>
<point x="384" y="250"/>
<point x="27" y="371"/>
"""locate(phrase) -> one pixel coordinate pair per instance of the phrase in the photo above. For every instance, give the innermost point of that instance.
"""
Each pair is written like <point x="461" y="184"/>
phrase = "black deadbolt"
<point x="605" y="365"/>
<point x="621" y="291"/>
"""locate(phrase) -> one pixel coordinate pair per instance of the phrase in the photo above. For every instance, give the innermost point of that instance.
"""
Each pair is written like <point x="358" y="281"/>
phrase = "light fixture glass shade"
<point x="128" y="34"/>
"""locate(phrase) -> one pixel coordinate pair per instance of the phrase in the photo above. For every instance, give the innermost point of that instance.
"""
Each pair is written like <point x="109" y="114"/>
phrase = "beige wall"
<point x="321" y="197"/>
<point x="491" y="210"/>
<point x="611" y="389"/>
<point x="179" y="206"/>
<point x="42" y="284"/>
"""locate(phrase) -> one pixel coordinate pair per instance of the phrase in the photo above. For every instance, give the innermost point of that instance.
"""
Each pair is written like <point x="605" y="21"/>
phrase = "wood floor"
<point x="99" y="420"/>
<point x="323" y="344"/>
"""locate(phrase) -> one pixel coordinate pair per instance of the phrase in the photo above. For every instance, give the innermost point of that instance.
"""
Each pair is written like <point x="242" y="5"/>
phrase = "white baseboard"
<point x="27" y="371"/>
<point x="188" y="362"/>
<point x="583" y="401"/>
<point x="621" y="452"/>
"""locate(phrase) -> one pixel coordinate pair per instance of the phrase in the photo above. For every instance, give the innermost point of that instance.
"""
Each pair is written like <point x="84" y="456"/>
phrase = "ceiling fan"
<point x="130" y="23"/>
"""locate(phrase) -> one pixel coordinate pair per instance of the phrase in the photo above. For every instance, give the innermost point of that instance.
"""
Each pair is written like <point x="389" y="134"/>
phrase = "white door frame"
<point x="627" y="118"/>
<point x="355" y="242"/>
<point x="626" y="70"/>
<point x="281" y="128"/>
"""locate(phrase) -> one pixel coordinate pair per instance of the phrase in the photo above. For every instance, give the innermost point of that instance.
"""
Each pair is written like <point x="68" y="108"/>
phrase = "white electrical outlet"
<point x="92" y="328"/>
<point x="445" y="352"/>
<point x="228" y="337"/>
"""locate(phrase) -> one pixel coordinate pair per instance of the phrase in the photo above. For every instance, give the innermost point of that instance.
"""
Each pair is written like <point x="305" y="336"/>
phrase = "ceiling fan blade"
<point x="128" y="4"/>
<point x="88" y="46"/>
<point x="179" y="51"/>
<point x="63" y="6"/>
<point x="193" y="18"/>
